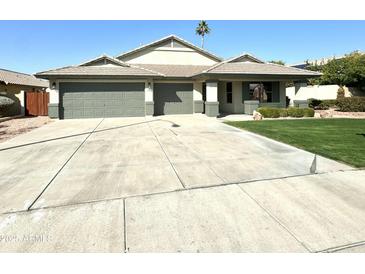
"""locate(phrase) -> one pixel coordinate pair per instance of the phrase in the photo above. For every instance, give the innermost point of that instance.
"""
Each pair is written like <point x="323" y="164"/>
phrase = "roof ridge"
<point x="298" y="69"/>
<point x="111" y="58"/>
<point x="246" y="54"/>
<point x="150" y="70"/>
<point x="229" y="60"/>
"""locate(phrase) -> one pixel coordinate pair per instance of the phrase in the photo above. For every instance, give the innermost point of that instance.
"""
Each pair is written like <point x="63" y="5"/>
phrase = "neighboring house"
<point x="168" y="76"/>
<point x="15" y="84"/>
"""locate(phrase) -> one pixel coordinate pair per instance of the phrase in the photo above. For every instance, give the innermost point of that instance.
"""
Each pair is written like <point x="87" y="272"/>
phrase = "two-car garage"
<point x="126" y="99"/>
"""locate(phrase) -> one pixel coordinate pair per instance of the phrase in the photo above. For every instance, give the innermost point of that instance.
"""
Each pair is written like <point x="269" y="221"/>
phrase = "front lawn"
<point x="338" y="139"/>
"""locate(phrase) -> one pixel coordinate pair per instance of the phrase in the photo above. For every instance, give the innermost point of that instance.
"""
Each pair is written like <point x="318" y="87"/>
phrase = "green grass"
<point x="339" y="139"/>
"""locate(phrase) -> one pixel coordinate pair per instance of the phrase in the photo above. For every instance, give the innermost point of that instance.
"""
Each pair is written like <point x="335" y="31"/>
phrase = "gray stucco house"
<point x="168" y="76"/>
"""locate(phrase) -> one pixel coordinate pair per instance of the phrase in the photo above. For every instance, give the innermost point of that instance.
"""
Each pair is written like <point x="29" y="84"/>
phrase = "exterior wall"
<point x="321" y="92"/>
<point x="148" y="93"/>
<point x="175" y="56"/>
<point x="212" y="104"/>
<point x="53" y="106"/>
<point x="238" y="105"/>
<point x="198" y="97"/>
<point x="15" y="93"/>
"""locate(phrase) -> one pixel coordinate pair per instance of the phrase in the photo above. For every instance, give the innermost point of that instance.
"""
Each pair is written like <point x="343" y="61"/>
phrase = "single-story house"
<point x="168" y="76"/>
<point x="14" y="85"/>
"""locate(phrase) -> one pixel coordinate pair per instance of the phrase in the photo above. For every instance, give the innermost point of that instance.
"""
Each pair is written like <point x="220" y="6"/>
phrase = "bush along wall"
<point x="285" y="112"/>
<point x="321" y="104"/>
<point x="345" y="104"/>
<point x="351" y="104"/>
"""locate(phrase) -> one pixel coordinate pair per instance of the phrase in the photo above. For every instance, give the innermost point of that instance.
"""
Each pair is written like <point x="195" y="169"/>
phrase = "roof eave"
<point x="254" y="76"/>
<point x="104" y="76"/>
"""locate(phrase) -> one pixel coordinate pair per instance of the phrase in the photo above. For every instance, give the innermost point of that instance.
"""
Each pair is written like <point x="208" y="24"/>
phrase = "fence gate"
<point x="36" y="103"/>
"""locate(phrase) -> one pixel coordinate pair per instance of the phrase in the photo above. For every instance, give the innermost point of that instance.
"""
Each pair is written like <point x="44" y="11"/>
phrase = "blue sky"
<point x="33" y="46"/>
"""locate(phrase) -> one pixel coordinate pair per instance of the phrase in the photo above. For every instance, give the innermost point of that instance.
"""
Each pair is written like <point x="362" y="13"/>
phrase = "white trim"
<point x="174" y="49"/>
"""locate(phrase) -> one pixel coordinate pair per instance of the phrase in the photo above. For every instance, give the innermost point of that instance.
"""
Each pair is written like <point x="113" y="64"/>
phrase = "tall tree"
<point x="202" y="29"/>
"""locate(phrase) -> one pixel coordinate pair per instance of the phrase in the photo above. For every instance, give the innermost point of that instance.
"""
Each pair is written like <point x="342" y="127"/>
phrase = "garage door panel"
<point x="94" y="100"/>
<point x="173" y="98"/>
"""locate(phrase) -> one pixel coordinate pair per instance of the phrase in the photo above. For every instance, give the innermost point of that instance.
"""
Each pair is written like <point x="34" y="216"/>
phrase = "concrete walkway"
<point x="172" y="184"/>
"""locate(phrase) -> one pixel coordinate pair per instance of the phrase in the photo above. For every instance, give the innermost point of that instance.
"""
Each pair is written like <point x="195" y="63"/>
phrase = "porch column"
<point x="148" y="91"/>
<point x="54" y="95"/>
<point x="212" y="104"/>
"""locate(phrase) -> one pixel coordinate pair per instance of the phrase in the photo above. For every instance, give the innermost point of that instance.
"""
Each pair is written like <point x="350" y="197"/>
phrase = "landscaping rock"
<point x="257" y="115"/>
<point x="326" y="114"/>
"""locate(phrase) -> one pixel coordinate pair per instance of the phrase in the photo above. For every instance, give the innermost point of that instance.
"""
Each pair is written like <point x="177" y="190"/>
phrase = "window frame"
<point x="269" y="92"/>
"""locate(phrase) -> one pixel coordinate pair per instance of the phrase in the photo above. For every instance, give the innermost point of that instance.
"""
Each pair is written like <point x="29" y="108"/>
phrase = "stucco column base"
<point x="250" y="106"/>
<point x="150" y="108"/>
<point x="53" y="110"/>
<point x="212" y="109"/>
<point x="198" y="106"/>
<point x="301" y="103"/>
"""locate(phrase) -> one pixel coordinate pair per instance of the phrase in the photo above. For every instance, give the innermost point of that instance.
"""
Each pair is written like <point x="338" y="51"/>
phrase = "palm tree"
<point x="202" y="29"/>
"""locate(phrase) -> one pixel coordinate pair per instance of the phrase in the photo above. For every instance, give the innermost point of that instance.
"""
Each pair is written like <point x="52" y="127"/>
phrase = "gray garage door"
<point x="96" y="100"/>
<point x="173" y="98"/>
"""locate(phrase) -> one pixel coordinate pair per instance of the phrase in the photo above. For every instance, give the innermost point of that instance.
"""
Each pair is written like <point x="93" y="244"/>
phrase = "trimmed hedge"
<point x="351" y="104"/>
<point x="285" y="112"/>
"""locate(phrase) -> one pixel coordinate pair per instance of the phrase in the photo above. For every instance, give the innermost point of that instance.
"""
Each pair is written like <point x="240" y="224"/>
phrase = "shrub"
<point x="5" y="102"/>
<point x="313" y="103"/>
<point x="269" y="112"/>
<point x="321" y="104"/>
<point x="351" y="104"/>
<point x="295" y="112"/>
<point x="340" y="93"/>
<point x="308" y="112"/>
<point x="283" y="112"/>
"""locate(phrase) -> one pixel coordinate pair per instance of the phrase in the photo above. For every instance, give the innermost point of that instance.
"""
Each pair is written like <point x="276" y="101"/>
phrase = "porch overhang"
<point x="252" y="77"/>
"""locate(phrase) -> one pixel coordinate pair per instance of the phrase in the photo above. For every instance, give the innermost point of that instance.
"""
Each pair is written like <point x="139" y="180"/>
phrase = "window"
<point x="229" y="92"/>
<point x="263" y="97"/>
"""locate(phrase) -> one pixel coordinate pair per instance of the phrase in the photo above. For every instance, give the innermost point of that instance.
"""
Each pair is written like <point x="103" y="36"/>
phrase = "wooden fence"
<point x="36" y="103"/>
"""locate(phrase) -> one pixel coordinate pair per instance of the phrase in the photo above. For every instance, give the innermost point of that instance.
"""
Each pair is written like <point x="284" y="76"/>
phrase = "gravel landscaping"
<point x="333" y="113"/>
<point x="17" y="126"/>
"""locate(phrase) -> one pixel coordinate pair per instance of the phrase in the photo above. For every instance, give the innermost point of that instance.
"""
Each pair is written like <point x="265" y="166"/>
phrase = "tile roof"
<point x="258" y="69"/>
<point x="174" y="70"/>
<point x="99" y="71"/>
<point x="17" y="78"/>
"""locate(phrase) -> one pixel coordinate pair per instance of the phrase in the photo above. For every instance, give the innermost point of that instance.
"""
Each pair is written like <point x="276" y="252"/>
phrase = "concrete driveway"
<point x="172" y="183"/>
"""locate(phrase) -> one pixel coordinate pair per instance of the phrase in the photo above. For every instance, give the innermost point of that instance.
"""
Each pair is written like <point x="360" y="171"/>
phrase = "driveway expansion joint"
<point x="341" y="247"/>
<point x="62" y="167"/>
<point x="166" y="192"/>
<point x="276" y="219"/>
<point x="167" y="157"/>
